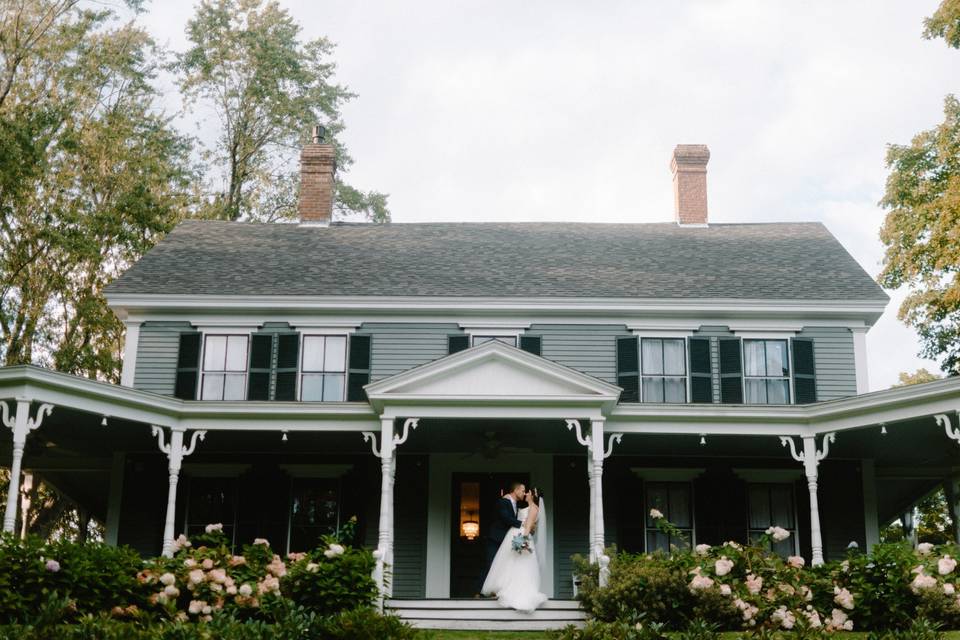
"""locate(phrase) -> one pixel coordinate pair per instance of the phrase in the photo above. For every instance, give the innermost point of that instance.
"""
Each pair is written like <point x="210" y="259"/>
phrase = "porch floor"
<point x="484" y="614"/>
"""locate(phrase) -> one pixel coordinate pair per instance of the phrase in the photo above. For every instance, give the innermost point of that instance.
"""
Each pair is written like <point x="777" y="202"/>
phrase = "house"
<point x="281" y="379"/>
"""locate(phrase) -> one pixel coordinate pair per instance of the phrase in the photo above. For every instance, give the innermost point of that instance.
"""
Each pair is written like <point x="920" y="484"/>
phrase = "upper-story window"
<point x="510" y="340"/>
<point x="224" y="367"/>
<point x="766" y="372"/>
<point x="323" y="368"/>
<point x="664" y="369"/>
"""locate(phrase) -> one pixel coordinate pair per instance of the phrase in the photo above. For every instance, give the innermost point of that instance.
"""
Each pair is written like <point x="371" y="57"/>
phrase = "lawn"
<point x="536" y="635"/>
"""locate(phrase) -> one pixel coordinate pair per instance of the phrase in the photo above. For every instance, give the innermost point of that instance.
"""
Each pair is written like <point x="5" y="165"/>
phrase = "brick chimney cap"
<point x="691" y="153"/>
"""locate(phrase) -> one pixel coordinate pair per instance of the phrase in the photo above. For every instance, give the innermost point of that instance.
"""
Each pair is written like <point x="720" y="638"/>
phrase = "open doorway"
<point x="474" y="497"/>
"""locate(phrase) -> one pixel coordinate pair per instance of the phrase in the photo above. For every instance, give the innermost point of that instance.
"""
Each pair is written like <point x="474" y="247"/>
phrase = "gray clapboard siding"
<point x="399" y="346"/>
<point x="589" y="348"/>
<point x="835" y="362"/>
<point x="714" y="333"/>
<point x="156" y="366"/>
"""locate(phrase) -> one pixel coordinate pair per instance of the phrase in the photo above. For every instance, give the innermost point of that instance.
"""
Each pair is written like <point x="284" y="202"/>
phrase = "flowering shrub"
<point x="749" y="587"/>
<point x="92" y="577"/>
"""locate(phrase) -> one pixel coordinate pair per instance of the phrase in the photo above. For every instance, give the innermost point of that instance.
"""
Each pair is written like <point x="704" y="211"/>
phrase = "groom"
<point x="504" y="517"/>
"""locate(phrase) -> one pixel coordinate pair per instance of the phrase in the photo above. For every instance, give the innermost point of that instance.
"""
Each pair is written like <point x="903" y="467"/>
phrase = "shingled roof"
<point x="781" y="261"/>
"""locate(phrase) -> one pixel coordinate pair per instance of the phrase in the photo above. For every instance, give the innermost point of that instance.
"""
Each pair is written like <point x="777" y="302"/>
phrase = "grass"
<point x="536" y="635"/>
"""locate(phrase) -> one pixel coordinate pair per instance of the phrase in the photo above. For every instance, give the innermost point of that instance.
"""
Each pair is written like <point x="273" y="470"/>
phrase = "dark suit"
<point x="504" y="517"/>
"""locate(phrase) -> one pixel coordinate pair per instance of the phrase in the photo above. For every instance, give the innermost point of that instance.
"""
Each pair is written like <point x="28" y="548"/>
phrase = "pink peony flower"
<point x="52" y="566"/>
<point x="754" y="584"/>
<point x="779" y="534"/>
<point x="723" y="566"/>
<point x="725" y="590"/>
<point x="813" y="618"/>
<point x="167" y="579"/>
<point x="783" y="617"/>
<point x="949" y="589"/>
<point x="839" y="621"/>
<point x="922" y="581"/>
<point x="171" y="591"/>
<point x="189" y="563"/>
<point x="843" y="597"/>
<point x="924" y="548"/>
<point x="702" y="549"/>
<point x="180" y="543"/>
<point x="210" y="528"/>
<point x="296" y="556"/>
<point x="196" y="576"/>
<point x="796" y="562"/>
<point x="196" y="606"/>
<point x="262" y="541"/>
<point x="700" y="582"/>
<point x="218" y="576"/>
<point x="207" y="564"/>
<point x="946" y="565"/>
<point x="236" y="561"/>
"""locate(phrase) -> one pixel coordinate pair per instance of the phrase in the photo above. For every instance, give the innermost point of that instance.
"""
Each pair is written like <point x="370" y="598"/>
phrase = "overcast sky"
<point x="518" y="111"/>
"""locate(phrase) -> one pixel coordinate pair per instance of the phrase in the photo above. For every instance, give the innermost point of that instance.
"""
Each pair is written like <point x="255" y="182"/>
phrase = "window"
<point x="510" y="340"/>
<point x="322" y="368"/>
<point x="675" y="501"/>
<point x="212" y="500"/>
<point x="766" y="372"/>
<point x="224" y="368"/>
<point x="771" y="505"/>
<point x="664" y="378"/>
<point x="314" y="512"/>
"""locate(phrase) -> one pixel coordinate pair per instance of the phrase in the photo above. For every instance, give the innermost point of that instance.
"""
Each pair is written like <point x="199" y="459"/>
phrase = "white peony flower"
<point x="924" y="548"/>
<point x="783" y="617"/>
<point x="723" y="566"/>
<point x="245" y="590"/>
<point x="779" y="534"/>
<point x="167" y="579"/>
<point x="195" y="607"/>
<point x="754" y="584"/>
<point x="210" y="528"/>
<point x="700" y="582"/>
<point x="196" y="576"/>
<point x="262" y="541"/>
<point x="946" y="565"/>
<point x="656" y="514"/>
<point x="949" y="589"/>
<point x="702" y="549"/>
<point x="843" y="597"/>
<point x="725" y="590"/>
<point x="171" y="591"/>
<point x="334" y="550"/>
<point x="797" y="562"/>
<point x="839" y="621"/>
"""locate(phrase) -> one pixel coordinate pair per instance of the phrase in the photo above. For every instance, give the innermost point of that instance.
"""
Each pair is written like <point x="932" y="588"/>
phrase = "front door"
<point x="474" y="497"/>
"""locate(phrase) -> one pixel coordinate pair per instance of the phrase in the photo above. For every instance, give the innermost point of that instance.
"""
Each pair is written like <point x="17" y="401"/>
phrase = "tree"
<point x="91" y="174"/>
<point x="922" y="225"/>
<point x="268" y="89"/>
<point x="918" y="377"/>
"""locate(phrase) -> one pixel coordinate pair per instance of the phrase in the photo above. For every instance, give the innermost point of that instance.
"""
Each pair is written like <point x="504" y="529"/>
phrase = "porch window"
<point x="323" y="368"/>
<point x="771" y="504"/>
<point x="211" y="501"/>
<point x="224" y="367"/>
<point x="314" y="511"/>
<point x="510" y="340"/>
<point x="766" y="372"/>
<point x="675" y="501"/>
<point x="663" y="363"/>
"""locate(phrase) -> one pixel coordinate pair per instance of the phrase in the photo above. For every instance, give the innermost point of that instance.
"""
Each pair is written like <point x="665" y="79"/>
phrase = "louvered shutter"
<point x="457" y="343"/>
<point x="358" y="373"/>
<point x="531" y="344"/>
<point x="288" y="353"/>
<point x="258" y="374"/>
<point x="188" y="366"/>
<point x="628" y="368"/>
<point x="731" y="371"/>
<point x="804" y="371"/>
<point x="701" y="377"/>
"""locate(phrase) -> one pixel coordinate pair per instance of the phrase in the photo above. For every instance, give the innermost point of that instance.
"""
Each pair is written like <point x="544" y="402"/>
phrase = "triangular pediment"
<point x="490" y="372"/>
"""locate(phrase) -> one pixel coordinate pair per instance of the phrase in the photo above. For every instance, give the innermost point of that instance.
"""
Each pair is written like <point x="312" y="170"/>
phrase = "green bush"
<point x="331" y="580"/>
<point x="94" y="577"/>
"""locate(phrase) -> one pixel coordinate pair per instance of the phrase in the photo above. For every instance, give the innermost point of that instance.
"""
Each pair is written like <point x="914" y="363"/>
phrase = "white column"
<point x="596" y="496"/>
<point x="25" y="503"/>
<point x="860" y="359"/>
<point x="592" y="517"/>
<point x="21" y="424"/>
<point x="810" y="464"/>
<point x="385" y="537"/>
<point x="131" y="341"/>
<point x="176" y="452"/>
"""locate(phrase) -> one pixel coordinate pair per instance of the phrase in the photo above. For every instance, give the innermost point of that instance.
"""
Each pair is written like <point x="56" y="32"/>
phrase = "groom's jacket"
<point x="504" y="518"/>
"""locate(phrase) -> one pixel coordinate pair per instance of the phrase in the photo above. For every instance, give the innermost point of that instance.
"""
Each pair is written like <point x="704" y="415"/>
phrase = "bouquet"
<point x="521" y="543"/>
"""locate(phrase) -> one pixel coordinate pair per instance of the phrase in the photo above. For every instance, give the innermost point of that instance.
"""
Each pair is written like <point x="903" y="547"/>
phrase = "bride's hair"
<point x="537" y="494"/>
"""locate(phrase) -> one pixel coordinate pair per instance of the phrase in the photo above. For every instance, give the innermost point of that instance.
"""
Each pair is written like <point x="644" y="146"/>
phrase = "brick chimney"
<point x="317" y="166"/>
<point x="689" y="166"/>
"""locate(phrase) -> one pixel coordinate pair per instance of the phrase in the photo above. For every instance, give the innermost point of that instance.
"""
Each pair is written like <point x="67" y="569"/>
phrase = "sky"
<point x="569" y="111"/>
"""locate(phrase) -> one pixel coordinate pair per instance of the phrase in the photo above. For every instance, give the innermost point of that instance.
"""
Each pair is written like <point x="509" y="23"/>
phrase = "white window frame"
<point x="228" y="333"/>
<point x="743" y="365"/>
<point x="301" y="372"/>
<point x="641" y="334"/>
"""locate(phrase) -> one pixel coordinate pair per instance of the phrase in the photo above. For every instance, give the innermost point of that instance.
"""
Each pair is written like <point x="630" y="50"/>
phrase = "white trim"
<point x="860" y="359"/>
<point x="765" y="335"/>
<point x="300" y="372"/>
<point x="206" y="332"/>
<point x="504" y="327"/>
<point x="131" y="343"/>
<point x="867" y="311"/>
<point x="660" y="335"/>
<point x="324" y="328"/>
<point x="668" y="474"/>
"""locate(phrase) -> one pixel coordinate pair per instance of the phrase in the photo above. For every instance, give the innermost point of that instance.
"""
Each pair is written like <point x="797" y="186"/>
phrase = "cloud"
<point x="568" y="111"/>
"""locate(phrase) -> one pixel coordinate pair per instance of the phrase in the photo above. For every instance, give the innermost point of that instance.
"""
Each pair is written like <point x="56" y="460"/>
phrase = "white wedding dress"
<point x="515" y="577"/>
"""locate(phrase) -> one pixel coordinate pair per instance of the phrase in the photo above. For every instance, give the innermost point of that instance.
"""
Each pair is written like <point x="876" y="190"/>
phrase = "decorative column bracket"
<point x="575" y="424"/>
<point x="944" y="421"/>
<point x="810" y="457"/>
<point x="21" y="424"/>
<point x="175" y="452"/>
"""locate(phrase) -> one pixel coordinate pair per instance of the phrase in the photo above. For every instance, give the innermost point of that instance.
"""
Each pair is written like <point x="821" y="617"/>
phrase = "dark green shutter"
<point x="701" y="377"/>
<point x="261" y="358"/>
<point x="457" y="343"/>
<point x="628" y="368"/>
<point x="531" y="344"/>
<point x="358" y="371"/>
<point x="731" y="371"/>
<point x="188" y="366"/>
<point x="288" y="353"/>
<point x="804" y="371"/>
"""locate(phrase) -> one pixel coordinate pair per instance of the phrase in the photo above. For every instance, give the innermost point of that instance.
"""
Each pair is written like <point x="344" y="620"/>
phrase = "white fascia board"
<point x="716" y="308"/>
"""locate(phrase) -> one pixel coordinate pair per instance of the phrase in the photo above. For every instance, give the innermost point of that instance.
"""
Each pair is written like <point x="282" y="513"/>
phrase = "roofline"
<point x="135" y="304"/>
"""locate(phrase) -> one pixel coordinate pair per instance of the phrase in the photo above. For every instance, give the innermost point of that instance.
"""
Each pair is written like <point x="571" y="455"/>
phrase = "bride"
<point x="514" y="576"/>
